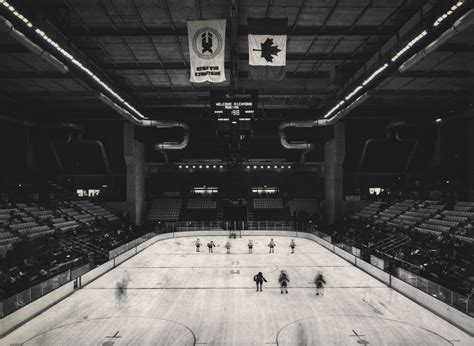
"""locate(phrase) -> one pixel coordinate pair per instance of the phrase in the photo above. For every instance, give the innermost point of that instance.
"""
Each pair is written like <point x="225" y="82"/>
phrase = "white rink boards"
<point x="175" y="296"/>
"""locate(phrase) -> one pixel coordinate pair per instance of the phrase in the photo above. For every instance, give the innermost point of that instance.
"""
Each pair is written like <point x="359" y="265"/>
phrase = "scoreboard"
<point x="234" y="111"/>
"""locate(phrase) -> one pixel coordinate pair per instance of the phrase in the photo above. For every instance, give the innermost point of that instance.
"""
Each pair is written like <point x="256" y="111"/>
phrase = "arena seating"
<point x="39" y="241"/>
<point x="429" y="236"/>
<point x="165" y="209"/>
<point x="267" y="203"/>
<point x="201" y="203"/>
<point x="305" y="205"/>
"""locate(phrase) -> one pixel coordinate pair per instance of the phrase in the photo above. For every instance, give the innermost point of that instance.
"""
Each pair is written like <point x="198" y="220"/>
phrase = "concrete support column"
<point x="334" y="152"/>
<point x="134" y="154"/>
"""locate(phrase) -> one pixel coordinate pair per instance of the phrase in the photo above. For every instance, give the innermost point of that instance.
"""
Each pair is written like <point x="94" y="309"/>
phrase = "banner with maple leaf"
<point x="267" y="48"/>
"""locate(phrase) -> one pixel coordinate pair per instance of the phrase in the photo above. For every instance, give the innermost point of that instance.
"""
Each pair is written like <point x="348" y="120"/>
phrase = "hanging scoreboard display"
<point x="234" y="111"/>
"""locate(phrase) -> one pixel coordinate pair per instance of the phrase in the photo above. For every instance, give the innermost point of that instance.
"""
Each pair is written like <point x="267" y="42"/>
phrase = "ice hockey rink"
<point x="175" y="296"/>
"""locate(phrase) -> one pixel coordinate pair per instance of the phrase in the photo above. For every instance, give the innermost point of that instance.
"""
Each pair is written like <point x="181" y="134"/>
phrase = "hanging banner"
<point x="267" y="48"/>
<point x="206" y="40"/>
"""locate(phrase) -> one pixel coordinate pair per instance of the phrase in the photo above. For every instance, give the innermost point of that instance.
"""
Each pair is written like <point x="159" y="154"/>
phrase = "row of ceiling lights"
<point x="408" y="46"/>
<point x="220" y="167"/>
<point x="200" y="166"/>
<point x="104" y="85"/>
<point x="268" y="167"/>
<point x="70" y="57"/>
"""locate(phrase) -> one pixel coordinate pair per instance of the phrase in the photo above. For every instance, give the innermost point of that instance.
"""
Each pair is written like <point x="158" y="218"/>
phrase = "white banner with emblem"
<point x="206" y="50"/>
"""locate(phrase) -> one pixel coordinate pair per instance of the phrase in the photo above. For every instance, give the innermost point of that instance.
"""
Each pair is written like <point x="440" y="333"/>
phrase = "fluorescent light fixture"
<point x="409" y="45"/>
<point x="439" y="120"/>
<point x="333" y="109"/>
<point x="375" y="74"/>
<point x="355" y="91"/>
<point x="453" y="8"/>
<point x="71" y="58"/>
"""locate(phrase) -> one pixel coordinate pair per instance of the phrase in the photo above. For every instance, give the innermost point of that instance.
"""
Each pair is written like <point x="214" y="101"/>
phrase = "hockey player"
<point x="259" y="279"/>
<point x="210" y="246"/>
<point x="292" y="245"/>
<point x="228" y="245"/>
<point x="283" y="279"/>
<point x="250" y="245"/>
<point x="319" y="282"/>
<point x="198" y="244"/>
<point x="272" y="245"/>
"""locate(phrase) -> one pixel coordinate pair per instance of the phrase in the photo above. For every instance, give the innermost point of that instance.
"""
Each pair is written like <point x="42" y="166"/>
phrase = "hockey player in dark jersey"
<point x="259" y="279"/>
<point x="284" y="279"/>
<point x="211" y="246"/>
<point x="319" y="282"/>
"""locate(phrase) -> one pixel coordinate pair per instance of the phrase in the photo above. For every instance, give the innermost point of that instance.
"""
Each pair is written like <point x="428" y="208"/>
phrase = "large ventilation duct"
<point x="459" y="26"/>
<point x="8" y="28"/>
<point x="307" y="147"/>
<point x="80" y="133"/>
<point x="160" y="147"/>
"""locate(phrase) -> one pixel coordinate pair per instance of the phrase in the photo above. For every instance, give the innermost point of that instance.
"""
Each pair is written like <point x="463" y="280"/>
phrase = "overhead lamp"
<point x="355" y="91"/>
<point x="71" y="58"/>
<point x="409" y="45"/>
<point x="375" y="74"/>
<point x="445" y="15"/>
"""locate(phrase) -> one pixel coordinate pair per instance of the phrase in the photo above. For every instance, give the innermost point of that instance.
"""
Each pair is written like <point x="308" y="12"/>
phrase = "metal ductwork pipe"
<point x="160" y="147"/>
<point x="307" y="147"/>
<point x="80" y="133"/>
<point x="7" y="27"/>
<point x="462" y="24"/>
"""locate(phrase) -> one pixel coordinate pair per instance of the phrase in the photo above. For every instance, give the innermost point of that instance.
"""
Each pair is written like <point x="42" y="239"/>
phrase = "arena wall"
<point x="454" y="316"/>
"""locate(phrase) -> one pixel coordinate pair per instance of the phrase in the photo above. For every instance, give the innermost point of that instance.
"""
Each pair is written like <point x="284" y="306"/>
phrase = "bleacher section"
<point x="303" y="205"/>
<point x="165" y="209"/>
<point x="430" y="237"/>
<point x="267" y="203"/>
<point x="423" y="216"/>
<point x="201" y="203"/>
<point x="39" y="241"/>
<point x="269" y="208"/>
